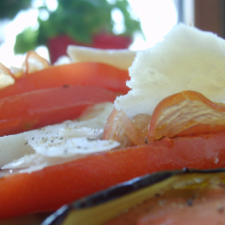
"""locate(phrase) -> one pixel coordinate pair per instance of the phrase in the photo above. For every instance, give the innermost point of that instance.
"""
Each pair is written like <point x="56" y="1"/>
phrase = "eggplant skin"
<point x="145" y="187"/>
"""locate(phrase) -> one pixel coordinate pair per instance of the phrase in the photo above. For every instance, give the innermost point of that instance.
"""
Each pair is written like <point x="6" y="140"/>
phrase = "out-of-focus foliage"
<point x="26" y="41"/>
<point x="9" y="8"/>
<point x="79" y="19"/>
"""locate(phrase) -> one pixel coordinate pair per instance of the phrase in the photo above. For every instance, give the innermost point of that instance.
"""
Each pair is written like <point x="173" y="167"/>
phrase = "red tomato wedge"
<point x="54" y="186"/>
<point x="44" y="107"/>
<point x="87" y="74"/>
<point x="184" y="114"/>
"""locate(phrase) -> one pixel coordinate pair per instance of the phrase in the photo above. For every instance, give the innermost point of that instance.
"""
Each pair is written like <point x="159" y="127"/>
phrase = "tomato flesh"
<point x="49" y="106"/>
<point x="88" y="74"/>
<point x="55" y="186"/>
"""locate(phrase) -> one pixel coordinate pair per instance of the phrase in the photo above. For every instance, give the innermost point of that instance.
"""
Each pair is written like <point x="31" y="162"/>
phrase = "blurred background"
<point x="48" y="26"/>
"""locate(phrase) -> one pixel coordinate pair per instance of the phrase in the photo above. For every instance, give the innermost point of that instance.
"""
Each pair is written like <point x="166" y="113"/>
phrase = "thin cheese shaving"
<point x="187" y="59"/>
<point x="121" y="59"/>
<point x="60" y="143"/>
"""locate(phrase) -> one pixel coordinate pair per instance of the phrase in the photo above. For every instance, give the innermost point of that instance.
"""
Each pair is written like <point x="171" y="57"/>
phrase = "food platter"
<point x="125" y="137"/>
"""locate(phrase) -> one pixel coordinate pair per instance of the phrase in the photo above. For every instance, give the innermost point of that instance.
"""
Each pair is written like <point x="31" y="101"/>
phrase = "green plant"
<point x="79" y="19"/>
<point x="9" y="8"/>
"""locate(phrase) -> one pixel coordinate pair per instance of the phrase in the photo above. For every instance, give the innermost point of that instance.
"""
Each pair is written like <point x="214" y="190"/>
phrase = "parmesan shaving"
<point x="60" y="143"/>
<point x="187" y="59"/>
<point x="121" y="59"/>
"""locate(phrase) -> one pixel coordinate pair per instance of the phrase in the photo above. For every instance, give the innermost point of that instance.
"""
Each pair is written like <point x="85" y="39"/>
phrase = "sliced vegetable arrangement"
<point x="79" y="178"/>
<point x="40" y="95"/>
<point x="24" y="103"/>
<point x="36" y="109"/>
<point x="85" y="74"/>
<point x="186" y="113"/>
<point x="89" y="74"/>
<point x="167" y="121"/>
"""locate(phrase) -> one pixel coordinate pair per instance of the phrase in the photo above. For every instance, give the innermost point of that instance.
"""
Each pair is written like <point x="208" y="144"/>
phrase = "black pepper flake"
<point x="146" y="141"/>
<point x="33" y="138"/>
<point x="157" y="195"/>
<point x="189" y="202"/>
<point x="147" y="210"/>
<point x="161" y="202"/>
<point x="221" y="209"/>
<point x="66" y="85"/>
<point x="195" y="196"/>
<point x="26" y="143"/>
<point x="91" y="139"/>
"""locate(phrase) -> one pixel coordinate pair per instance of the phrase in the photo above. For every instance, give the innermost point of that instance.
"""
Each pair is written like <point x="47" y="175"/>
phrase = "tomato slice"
<point x="54" y="186"/>
<point x="87" y="74"/>
<point x="186" y="113"/>
<point x="44" y="107"/>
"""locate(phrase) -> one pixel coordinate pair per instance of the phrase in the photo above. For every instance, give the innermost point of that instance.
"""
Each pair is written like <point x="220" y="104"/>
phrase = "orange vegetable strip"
<point x="87" y="74"/>
<point x="54" y="186"/>
<point x="49" y="106"/>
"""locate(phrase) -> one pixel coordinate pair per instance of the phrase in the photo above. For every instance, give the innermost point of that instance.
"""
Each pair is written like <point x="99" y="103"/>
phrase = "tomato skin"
<point x="49" y="106"/>
<point x="187" y="126"/>
<point x="88" y="74"/>
<point x="33" y="62"/>
<point x="54" y="186"/>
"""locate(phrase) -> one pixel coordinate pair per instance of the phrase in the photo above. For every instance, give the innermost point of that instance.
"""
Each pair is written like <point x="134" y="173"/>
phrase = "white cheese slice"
<point x="187" y="59"/>
<point x="13" y="147"/>
<point x="62" y="60"/>
<point x="59" y="143"/>
<point x="82" y="141"/>
<point x="121" y="59"/>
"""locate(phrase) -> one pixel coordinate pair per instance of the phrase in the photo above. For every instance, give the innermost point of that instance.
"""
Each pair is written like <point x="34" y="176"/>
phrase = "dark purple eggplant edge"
<point x="117" y="191"/>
